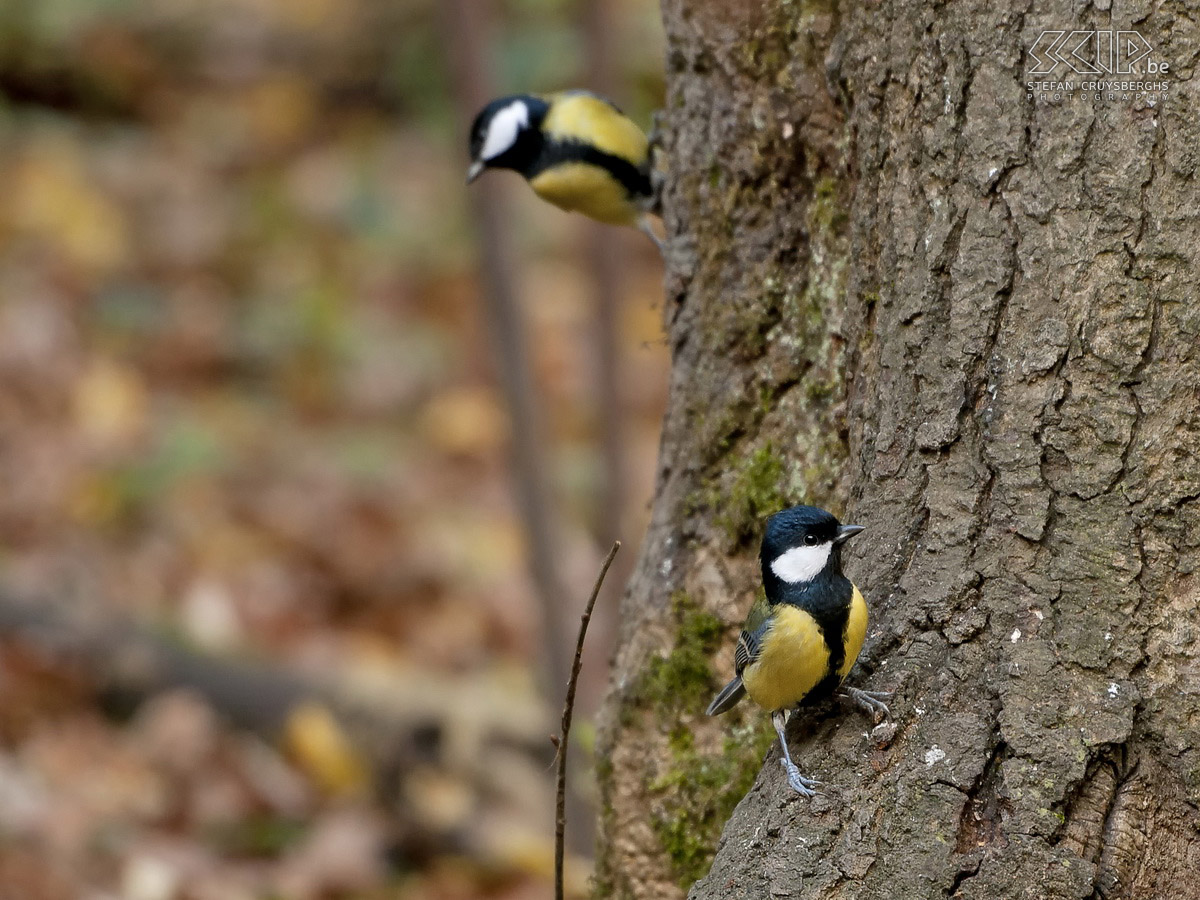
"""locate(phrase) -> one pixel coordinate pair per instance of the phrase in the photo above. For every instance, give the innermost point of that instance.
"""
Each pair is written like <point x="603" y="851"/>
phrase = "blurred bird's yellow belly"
<point x="582" y="187"/>
<point x="792" y="661"/>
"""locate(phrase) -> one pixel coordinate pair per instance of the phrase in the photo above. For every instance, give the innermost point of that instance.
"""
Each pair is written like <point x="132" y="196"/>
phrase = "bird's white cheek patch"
<point x="801" y="563"/>
<point x="504" y="128"/>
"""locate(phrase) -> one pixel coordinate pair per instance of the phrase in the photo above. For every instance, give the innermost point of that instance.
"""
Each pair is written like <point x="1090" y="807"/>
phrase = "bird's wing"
<point x="578" y="116"/>
<point x="728" y="698"/>
<point x="753" y="631"/>
<point x="578" y="92"/>
<point x="748" y="646"/>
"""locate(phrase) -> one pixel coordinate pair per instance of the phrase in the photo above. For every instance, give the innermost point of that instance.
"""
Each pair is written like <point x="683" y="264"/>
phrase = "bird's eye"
<point x="810" y="540"/>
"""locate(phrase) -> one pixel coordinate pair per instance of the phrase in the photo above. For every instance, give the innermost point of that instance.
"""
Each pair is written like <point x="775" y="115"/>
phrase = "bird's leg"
<point x="871" y="702"/>
<point x="646" y="227"/>
<point x="658" y="180"/>
<point x="657" y="175"/>
<point x="798" y="782"/>
<point x="655" y="137"/>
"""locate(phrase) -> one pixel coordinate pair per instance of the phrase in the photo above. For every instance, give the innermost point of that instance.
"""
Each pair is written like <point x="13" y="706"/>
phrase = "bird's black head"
<point x="802" y="544"/>
<point x="507" y="134"/>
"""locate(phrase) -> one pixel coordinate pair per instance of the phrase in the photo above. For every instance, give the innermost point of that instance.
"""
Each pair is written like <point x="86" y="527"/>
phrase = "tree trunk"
<point x="901" y="288"/>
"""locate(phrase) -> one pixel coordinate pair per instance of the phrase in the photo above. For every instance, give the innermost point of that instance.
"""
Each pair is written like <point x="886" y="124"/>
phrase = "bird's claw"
<point x="646" y="227"/>
<point x="658" y="177"/>
<point x="658" y="180"/>
<point x="798" y="783"/>
<point x="870" y="702"/>
<point x="655" y="137"/>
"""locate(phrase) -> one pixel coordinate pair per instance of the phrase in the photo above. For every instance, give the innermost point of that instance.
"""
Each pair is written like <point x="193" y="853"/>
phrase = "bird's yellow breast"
<point x="791" y="662"/>
<point x="794" y="657"/>
<point x="582" y="187"/>
<point x="856" y="632"/>
<point x="584" y="117"/>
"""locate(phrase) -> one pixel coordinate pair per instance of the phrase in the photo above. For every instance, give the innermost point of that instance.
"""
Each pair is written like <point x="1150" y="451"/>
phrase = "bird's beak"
<point x="475" y="171"/>
<point x="845" y="532"/>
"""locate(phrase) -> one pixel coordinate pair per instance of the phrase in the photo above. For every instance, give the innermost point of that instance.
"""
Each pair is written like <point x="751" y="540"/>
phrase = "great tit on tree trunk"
<point x="576" y="150"/>
<point x="799" y="643"/>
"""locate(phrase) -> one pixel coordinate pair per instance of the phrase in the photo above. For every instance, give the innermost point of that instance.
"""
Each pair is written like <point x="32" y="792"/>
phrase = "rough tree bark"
<point x="900" y="288"/>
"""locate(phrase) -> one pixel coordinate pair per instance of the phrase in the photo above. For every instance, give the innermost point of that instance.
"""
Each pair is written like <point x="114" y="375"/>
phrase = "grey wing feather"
<point x="748" y="645"/>
<point x="728" y="698"/>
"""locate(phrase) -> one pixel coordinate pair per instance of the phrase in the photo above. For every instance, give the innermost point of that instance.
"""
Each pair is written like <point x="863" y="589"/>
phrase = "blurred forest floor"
<point x="247" y="405"/>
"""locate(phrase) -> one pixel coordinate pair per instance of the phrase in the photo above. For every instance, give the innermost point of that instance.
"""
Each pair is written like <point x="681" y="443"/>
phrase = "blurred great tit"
<point x="799" y="643"/>
<point x="576" y="150"/>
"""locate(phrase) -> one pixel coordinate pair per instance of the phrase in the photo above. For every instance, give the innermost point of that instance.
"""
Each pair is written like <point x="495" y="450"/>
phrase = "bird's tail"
<point x="728" y="698"/>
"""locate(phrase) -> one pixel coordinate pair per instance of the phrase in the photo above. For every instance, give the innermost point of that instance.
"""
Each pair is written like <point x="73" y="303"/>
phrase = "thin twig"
<point x="560" y="811"/>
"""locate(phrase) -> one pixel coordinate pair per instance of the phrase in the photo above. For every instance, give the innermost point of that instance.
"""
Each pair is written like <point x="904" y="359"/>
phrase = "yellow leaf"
<point x="440" y="800"/>
<point x="319" y="746"/>
<point x="110" y="403"/>
<point x="281" y="110"/>
<point x="56" y="200"/>
<point x="95" y="500"/>
<point x="465" y="420"/>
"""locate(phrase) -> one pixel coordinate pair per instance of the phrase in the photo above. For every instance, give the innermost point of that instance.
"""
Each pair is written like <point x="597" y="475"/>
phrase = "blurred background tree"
<point x="249" y="409"/>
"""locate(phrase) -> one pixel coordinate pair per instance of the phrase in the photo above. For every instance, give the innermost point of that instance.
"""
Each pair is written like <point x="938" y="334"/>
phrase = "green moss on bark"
<point x="757" y="490"/>
<point x="682" y="680"/>
<point x="694" y="795"/>
<point x="698" y="794"/>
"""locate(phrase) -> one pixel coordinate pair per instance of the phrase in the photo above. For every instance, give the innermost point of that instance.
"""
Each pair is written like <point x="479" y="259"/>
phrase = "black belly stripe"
<point x="635" y="179"/>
